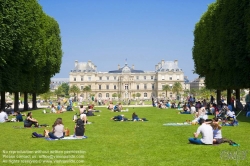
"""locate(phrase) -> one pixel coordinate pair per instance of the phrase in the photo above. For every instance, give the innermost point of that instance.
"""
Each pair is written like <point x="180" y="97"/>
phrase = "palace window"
<point x="100" y="87"/>
<point x="107" y="86"/>
<point x="145" y="95"/>
<point x="74" y="78"/>
<point x="114" y="86"/>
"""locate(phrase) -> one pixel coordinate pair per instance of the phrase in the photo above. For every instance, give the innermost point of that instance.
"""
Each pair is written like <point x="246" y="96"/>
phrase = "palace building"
<point x="126" y="81"/>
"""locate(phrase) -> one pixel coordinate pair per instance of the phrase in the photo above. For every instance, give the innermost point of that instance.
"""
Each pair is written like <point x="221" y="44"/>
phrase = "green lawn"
<point x="124" y="143"/>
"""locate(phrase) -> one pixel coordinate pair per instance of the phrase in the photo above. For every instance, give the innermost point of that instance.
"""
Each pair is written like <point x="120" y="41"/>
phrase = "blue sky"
<point x="144" y="32"/>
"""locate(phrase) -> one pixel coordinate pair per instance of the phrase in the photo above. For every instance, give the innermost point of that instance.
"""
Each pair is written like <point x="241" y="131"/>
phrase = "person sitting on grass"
<point x="79" y="128"/>
<point x="82" y="110"/>
<point x="186" y="110"/>
<point x="217" y="134"/>
<point x="179" y="106"/>
<point x="58" y="129"/>
<point x="111" y="106"/>
<point x="192" y="109"/>
<point x="53" y="109"/>
<point x="119" y="118"/>
<point x="3" y="116"/>
<point x="19" y="117"/>
<point x="84" y="118"/>
<point x="118" y="108"/>
<point x="29" y="121"/>
<point x="206" y="132"/>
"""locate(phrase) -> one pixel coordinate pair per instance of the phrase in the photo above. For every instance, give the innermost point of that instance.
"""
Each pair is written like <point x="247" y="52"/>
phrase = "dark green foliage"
<point x="221" y="45"/>
<point x="30" y="47"/>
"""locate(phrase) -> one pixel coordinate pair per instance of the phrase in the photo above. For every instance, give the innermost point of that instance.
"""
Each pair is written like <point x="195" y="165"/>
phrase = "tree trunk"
<point x="218" y="96"/>
<point x="228" y="96"/>
<point x="237" y="97"/>
<point x="16" y="101"/>
<point x="2" y="100"/>
<point x="34" y="106"/>
<point x="237" y="94"/>
<point x="25" y="101"/>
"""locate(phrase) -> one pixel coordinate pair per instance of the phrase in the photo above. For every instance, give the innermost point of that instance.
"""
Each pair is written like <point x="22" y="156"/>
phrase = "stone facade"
<point x="198" y="83"/>
<point x="126" y="80"/>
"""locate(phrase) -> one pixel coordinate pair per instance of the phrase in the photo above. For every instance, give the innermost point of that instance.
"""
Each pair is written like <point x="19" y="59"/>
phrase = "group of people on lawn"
<point x="211" y="132"/>
<point x="115" y="108"/>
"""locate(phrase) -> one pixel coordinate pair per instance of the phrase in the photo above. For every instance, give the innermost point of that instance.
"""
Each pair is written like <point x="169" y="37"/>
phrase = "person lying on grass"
<point x="136" y="118"/>
<point x="119" y="118"/>
<point x="29" y="121"/>
<point x="206" y="132"/>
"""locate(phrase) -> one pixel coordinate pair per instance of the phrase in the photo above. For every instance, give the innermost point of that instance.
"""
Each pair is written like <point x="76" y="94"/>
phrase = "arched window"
<point x="99" y="95"/>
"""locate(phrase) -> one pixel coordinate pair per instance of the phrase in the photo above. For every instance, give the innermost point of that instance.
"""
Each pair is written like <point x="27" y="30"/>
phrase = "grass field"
<point x="123" y="143"/>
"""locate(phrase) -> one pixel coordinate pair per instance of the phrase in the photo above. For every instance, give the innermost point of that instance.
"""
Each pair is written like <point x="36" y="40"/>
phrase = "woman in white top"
<point x="192" y="109"/>
<point x="53" y="109"/>
<point x="217" y="134"/>
<point x="58" y="129"/>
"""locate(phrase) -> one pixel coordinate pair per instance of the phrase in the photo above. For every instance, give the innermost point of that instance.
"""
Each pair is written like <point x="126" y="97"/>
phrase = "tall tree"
<point x="166" y="88"/>
<point x="75" y="90"/>
<point x="87" y="89"/>
<point x="177" y="88"/>
<point x="221" y="45"/>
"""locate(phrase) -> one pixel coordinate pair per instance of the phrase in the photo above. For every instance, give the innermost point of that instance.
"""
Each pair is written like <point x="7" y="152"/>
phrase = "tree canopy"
<point x="30" y="47"/>
<point x="222" y="45"/>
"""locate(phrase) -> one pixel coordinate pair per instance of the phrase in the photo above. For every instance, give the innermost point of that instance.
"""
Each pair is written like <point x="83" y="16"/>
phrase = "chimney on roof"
<point x="89" y="63"/>
<point x="162" y="62"/>
<point x="156" y="67"/>
<point x="159" y="65"/>
<point x="133" y="67"/>
<point x="118" y="66"/>
<point x="76" y="63"/>
<point x="176" y="62"/>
